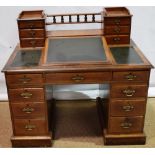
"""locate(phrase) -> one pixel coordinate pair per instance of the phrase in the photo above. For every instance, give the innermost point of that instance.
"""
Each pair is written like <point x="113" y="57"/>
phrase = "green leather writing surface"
<point x="75" y="49"/>
<point x="27" y="58"/>
<point x="125" y="55"/>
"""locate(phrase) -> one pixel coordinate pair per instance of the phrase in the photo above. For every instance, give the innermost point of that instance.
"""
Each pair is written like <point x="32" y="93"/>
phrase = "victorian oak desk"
<point x="107" y="55"/>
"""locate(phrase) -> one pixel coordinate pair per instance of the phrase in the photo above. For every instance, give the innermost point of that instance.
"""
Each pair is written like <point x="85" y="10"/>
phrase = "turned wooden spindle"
<point x="93" y="18"/>
<point x="85" y="18"/>
<point x="78" y="18"/>
<point x="70" y="18"/>
<point x="62" y="19"/>
<point x="54" y="19"/>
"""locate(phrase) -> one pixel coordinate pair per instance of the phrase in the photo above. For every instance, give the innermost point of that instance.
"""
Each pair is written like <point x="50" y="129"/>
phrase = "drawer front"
<point x="32" y="42"/>
<point x="116" y="30"/>
<point x="30" y="127"/>
<point x="72" y="78"/>
<point x="131" y="76"/>
<point x="26" y="95"/>
<point x="128" y="91"/>
<point x="117" y="21"/>
<point x="24" y="79"/>
<point x="127" y="107"/>
<point x="32" y="33"/>
<point x="123" y="125"/>
<point x="28" y="109"/>
<point x="118" y="39"/>
<point x="31" y="24"/>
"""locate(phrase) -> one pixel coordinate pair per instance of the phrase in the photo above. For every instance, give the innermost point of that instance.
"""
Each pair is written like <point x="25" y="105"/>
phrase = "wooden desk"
<point x="123" y="67"/>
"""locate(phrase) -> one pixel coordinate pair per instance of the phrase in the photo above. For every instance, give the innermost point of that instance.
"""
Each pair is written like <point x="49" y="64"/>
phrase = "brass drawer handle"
<point x="31" y="25"/>
<point x="26" y="95"/>
<point x="117" y="21"/>
<point x="32" y="43"/>
<point x="25" y="79"/>
<point x="32" y="33"/>
<point x="129" y="92"/>
<point x="116" y="39"/>
<point x="28" y="110"/>
<point x="126" y="125"/>
<point x="117" y="30"/>
<point x="130" y="76"/>
<point x="128" y="108"/>
<point x="30" y="127"/>
<point x="78" y="78"/>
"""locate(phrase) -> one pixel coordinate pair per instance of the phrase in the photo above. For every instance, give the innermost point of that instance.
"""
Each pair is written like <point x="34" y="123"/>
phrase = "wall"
<point x="143" y="33"/>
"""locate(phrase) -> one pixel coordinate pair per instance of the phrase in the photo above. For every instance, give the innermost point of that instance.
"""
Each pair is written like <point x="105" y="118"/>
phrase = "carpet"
<point x="77" y="126"/>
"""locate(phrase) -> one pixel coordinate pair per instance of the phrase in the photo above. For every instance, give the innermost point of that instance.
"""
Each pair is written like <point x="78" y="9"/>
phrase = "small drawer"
<point x="31" y="24"/>
<point x="26" y="95"/>
<point x="117" y="39"/>
<point x="131" y="76"/>
<point x="30" y="127"/>
<point x="24" y="79"/>
<point x="32" y="33"/>
<point x="116" y="30"/>
<point x="28" y="109"/>
<point x="123" y="125"/>
<point x="128" y="107"/>
<point x="117" y="21"/>
<point x="128" y="91"/>
<point x="32" y="42"/>
<point x="74" y="78"/>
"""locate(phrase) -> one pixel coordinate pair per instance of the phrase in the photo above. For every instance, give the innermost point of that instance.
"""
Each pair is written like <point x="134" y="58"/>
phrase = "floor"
<point x="77" y="125"/>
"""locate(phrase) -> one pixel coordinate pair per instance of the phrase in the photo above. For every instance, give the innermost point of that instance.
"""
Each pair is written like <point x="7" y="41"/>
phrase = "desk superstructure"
<point x="100" y="56"/>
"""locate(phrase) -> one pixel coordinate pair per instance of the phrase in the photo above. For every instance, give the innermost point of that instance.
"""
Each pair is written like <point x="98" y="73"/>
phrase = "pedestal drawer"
<point x="26" y="95"/>
<point x="127" y="107"/>
<point x="27" y="110"/>
<point x="13" y="79"/>
<point x="30" y="127"/>
<point x="72" y="78"/>
<point x="128" y="90"/>
<point x="126" y="124"/>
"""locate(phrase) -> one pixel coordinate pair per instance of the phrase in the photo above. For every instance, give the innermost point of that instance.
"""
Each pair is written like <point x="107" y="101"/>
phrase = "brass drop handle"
<point x="31" y="25"/>
<point x="30" y="127"/>
<point x="128" y="108"/>
<point x="28" y="110"/>
<point x="130" y="76"/>
<point x="33" y="43"/>
<point x="129" y="92"/>
<point x="126" y="125"/>
<point x="117" y="21"/>
<point x="117" y="30"/>
<point x="78" y="78"/>
<point x="26" y="95"/>
<point x="25" y="79"/>
<point x="32" y="33"/>
<point x="117" y="39"/>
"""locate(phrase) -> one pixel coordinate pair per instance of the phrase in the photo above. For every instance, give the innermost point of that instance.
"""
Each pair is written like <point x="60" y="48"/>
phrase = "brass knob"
<point x="30" y="127"/>
<point x="78" y="78"/>
<point x="129" y="92"/>
<point x="26" y="95"/>
<point x="28" y="110"/>
<point x="130" y="76"/>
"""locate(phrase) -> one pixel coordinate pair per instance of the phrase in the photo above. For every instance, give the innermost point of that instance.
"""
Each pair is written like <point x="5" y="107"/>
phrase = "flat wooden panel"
<point x="128" y="90"/>
<point x="131" y="76"/>
<point x="32" y="42"/>
<point x="24" y="79"/>
<point x="117" y="21"/>
<point x="28" y="110"/>
<point x="120" y="125"/>
<point x="32" y="33"/>
<point x="26" y="95"/>
<point x="127" y="107"/>
<point x="116" y="30"/>
<point x="28" y="24"/>
<point x="117" y="39"/>
<point x="30" y="127"/>
<point x="74" y="78"/>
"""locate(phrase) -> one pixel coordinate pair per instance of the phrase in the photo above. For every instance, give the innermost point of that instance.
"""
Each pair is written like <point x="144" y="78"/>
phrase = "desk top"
<point x="76" y="53"/>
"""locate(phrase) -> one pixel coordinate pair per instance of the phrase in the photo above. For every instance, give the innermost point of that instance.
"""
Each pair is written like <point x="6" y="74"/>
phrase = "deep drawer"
<point x="32" y="33"/>
<point x="122" y="125"/>
<point x="117" y="39"/>
<point x="128" y="91"/>
<point x="32" y="42"/>
<point x="127" y="107"/>
<point x="116" y="30"/>
<point x="131" y="76"/>
<point x="31" y="24"/>
<point x="28" y="109"/>
<point x="71" y="78"/>
<point x="26" y="95"/>
<point x="24" y="79"/>
<point x="117" y="21"/>
<point x="30" y="127"/>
